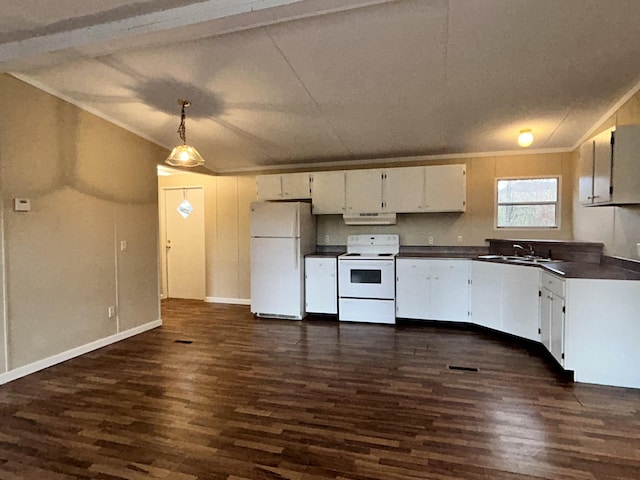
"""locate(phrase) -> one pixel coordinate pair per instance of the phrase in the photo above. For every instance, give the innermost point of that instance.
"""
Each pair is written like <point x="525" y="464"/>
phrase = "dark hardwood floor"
<point x="274" y="399"/>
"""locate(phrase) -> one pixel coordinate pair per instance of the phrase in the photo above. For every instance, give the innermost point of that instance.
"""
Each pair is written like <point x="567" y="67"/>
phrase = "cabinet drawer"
<point x="553" y="284"/>
<point x="445" y="266"/>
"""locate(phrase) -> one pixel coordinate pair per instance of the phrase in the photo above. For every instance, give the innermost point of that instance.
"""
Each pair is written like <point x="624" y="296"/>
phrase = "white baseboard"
<point x="75" y="352"/>
<point x="233" y="301"/>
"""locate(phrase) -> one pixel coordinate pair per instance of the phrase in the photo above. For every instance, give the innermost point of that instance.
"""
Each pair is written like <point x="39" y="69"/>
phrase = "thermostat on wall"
<point x="21" y="205"/>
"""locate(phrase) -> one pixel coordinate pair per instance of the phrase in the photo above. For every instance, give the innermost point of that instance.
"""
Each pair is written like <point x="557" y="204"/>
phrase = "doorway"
<point x="182" y="237"/>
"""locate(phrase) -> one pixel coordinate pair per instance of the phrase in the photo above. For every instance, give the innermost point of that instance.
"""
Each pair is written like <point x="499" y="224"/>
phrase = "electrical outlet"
<point x="431" y="240"/>
<point x="112" y="312"/>
<point x="123" y="245"/>
<point x="459" y="238"/>
<point x="327" y="238"/>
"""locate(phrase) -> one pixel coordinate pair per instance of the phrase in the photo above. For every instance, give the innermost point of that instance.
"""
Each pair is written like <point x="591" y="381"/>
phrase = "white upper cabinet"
<point x="269" y="187"/>
<point x="404" y="190"/>
<point x="585" y="181"/>
<point x="364" y="191"/>
<point x="626" y="165"/>
<point x="446" y="188"/>
<point x="328" y="192"/>
<point x="287" y="186"/>
<point x="433" y="188"/>
<point x="610" y="167"/>
<point x="602" y="153"/>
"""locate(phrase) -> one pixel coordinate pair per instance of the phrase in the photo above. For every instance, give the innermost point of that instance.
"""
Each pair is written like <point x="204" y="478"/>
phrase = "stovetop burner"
<point x="372" y="246"/>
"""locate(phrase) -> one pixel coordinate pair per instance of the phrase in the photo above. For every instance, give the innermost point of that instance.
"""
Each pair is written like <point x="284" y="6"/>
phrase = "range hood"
<point x="369" y="218"/>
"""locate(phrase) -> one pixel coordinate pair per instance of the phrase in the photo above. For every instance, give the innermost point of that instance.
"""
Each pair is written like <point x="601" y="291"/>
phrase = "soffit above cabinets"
<point x="278" y="83"/>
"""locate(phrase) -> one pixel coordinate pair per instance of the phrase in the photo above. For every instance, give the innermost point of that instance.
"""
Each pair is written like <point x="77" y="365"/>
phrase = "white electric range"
<point x="366" y="279"/>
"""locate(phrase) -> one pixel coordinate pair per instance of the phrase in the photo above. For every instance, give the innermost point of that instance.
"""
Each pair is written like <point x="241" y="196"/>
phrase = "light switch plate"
<point x="21" y="205"/>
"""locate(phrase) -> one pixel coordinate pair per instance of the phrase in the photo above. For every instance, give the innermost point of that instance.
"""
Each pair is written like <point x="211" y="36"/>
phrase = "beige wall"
<point x="227" y="199"/>
<point x="477" y="223"/>
<point x="617" y="227"/>
<point x="91" y="184"/>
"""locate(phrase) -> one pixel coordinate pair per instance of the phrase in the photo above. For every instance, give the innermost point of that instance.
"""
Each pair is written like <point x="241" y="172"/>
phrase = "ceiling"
<point x="277" y="83"/>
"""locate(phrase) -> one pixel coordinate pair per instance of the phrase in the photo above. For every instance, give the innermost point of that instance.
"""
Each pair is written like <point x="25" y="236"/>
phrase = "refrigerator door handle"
<point x="296" y="254"/>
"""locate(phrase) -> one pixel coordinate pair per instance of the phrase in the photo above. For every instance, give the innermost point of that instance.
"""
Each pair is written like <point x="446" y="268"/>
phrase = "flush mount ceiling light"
<point x="525" y="138"/>
<point x="184" y="155"/>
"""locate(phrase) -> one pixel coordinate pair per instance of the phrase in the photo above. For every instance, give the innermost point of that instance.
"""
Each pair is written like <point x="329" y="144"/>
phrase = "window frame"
<point x="557" y="203"/>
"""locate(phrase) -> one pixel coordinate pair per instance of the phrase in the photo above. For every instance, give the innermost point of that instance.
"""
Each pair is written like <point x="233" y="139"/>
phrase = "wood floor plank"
<point x="313" y="400"/>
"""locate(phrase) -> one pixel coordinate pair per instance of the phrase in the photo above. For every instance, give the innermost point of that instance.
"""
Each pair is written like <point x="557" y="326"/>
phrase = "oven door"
<point x="366" y="278"/>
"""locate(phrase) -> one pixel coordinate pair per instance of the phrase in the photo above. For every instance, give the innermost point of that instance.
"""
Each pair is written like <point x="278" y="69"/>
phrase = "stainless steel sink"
<point x="522" y="259"/>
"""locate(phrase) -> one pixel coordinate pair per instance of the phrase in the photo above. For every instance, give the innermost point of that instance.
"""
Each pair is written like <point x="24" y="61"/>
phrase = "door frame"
<point x="162" y="208"/>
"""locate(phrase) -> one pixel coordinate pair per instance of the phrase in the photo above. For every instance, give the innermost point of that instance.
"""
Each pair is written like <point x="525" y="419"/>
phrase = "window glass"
<point x="527" y="203"/>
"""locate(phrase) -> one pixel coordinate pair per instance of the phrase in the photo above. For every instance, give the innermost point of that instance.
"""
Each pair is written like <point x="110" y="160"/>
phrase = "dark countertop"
<point x="443" y="256"/>
<point x="590" y="270"/>
<point x="322" y="255"/>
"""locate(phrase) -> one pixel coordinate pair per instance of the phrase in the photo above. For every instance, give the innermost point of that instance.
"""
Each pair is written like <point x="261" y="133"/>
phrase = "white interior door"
<point x="184" y="242"/>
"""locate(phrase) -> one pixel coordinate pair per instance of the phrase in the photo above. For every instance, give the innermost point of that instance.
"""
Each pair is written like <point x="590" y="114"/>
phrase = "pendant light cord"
<point x="182" y="130"/>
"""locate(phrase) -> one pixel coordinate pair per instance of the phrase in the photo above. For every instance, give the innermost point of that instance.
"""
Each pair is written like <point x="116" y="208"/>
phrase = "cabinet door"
<point x="552" y="324"/>
<point x="412" y="288"/>
<point x="545" y="318"/>
<point x="445" y="188"/>
<point x="626" y="165"/>
<point x="321" y="285"/>
<point x="450" y="290"/>
<point x="295" y="186"/>
<point x="602" y="167"/>
<point x="269" y="187"/>
<point x="585" y="172"/>
<point x="328" y="192"/>
<point x="364" y="191"/>
<point x="404" y="190"/>
<point x="520" y="301"/>
<point x="486" y="287"/>
<point x="557" y="328"/>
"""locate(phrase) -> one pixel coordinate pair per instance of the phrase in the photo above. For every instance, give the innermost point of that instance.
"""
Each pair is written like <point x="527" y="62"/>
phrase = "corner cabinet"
<point x="505" y="298"/>
<point x="609" y="168"/>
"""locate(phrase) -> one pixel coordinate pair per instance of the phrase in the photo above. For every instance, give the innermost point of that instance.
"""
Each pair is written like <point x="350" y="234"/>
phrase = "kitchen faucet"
<point x="519" y="247"/>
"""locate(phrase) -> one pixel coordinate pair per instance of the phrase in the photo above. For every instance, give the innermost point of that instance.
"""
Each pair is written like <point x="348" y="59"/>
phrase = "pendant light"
<point x="184" y="155"/>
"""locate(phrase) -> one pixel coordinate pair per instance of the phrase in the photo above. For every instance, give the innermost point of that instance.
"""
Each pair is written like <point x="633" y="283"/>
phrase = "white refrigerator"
<point x="282" y="233"/>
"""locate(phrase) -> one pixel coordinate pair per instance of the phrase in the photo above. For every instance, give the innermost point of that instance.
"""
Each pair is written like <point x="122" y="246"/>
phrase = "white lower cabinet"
<point x="321" y="285"/>
<point x="413" y="280"/>
<point x="432" y="289"/>
<point x="486" y="294"/>
<point x="590" y="326"/>
<point x="520" y="301"/>
<point x="505" y="298"/>
<point x="552" y="310"/>
<point x="602" y="331"/>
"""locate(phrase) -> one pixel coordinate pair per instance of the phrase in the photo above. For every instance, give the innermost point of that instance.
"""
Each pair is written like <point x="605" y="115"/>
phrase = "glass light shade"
<point x="525" y="138"/>
<point x="184" y="156"/>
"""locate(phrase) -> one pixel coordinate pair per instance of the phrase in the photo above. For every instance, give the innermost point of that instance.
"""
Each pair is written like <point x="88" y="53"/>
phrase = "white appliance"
<point x="366" y="279"/>
<point x="282" y="233"/>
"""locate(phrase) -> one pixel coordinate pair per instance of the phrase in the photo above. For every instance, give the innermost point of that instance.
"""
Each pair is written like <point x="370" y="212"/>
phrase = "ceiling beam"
<point x="185" y="23"/>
